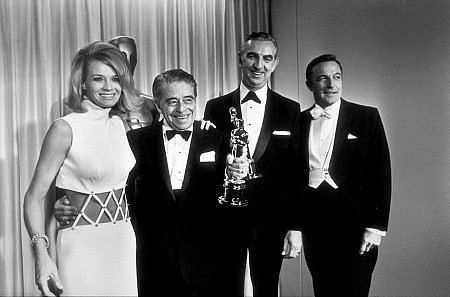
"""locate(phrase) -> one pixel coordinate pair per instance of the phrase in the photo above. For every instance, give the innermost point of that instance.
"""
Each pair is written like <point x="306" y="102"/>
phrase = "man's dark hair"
<point x="318" y="60"/>
<point x="171" y="76"/>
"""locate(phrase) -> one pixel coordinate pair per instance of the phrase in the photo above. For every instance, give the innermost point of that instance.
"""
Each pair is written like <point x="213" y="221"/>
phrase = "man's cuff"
<point x="376" y="231"/>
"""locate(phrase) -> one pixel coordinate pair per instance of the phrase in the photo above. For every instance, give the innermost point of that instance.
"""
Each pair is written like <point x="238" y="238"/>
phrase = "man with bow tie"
<point x="346" y="184"/>
<point x="178" y="175"/>
<point x="264" y="227"/>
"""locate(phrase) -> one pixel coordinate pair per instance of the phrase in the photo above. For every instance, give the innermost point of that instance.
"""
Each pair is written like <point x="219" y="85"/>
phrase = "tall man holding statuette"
<point x="265" y="226"/>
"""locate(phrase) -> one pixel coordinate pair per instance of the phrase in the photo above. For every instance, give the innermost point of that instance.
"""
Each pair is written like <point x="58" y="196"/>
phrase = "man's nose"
<point x="181" y="106"/>
<point x="259" y="63"/>
<point x="330" y="82"/>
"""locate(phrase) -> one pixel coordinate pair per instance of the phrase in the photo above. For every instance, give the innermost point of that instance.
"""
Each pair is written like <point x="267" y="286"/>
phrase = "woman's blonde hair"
<point x="111" y="56"/>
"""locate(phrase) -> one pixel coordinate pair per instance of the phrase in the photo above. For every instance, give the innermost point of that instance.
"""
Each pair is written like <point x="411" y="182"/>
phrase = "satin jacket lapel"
<point x="162" y="160"/>
<point x="232" y="100"/>
<point x="236" y="102"/>
<point x="266" y="128"/>
<point x="192" y="156"/>
<point x="304" y="134"/>
<point x="342" y="130"/>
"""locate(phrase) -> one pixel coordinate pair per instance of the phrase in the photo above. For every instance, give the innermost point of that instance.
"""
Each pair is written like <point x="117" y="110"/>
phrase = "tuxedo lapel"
<point x="192" y="156"/>
<point x="161" y="159"/>
<point x="266" y="128"/>
<point x="342" y="130"/>
<point x="304" y="134"/>
<point x="236" y="103"/>
<point x="231" y="100"/>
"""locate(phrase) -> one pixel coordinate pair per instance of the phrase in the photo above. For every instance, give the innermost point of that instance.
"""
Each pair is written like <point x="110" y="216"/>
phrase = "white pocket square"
<point x="208" y="157"/>
<point x="351" y="136"/>
<point x="280" y="132"/>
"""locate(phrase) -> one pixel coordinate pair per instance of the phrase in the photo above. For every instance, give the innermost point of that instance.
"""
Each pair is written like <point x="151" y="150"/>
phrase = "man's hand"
<point x="292" y="244"/>
<point x="64" y="213"/>
<point x="237" y="168"/>
<point x="369" y="240"/>
<point x="205" y="125"/>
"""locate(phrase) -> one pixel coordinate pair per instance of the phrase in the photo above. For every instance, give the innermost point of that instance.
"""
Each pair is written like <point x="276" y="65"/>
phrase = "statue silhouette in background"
<point x="147" y="113"/>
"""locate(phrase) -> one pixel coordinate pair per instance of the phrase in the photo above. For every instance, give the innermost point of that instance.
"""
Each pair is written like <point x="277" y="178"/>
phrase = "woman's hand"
<point x="47" y="277"/>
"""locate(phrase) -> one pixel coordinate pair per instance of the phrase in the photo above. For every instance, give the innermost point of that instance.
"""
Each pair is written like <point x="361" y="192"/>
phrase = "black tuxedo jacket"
<point x="269" y="196"/>
<point x="166" y="227"/>
<point x="360" y="163"/>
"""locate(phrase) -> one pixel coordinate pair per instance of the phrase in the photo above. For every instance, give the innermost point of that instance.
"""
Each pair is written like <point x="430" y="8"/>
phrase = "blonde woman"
<point x="88" y="153"/>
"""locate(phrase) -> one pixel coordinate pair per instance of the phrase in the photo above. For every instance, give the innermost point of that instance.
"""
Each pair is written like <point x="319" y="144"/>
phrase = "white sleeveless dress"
<point x="97" y="259"/>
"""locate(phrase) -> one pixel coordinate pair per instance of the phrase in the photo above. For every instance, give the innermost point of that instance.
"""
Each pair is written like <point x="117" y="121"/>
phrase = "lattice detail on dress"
<point x="104" y="208"/>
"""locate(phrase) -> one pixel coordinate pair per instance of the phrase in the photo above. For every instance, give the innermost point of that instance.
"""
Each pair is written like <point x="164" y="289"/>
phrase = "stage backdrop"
<point x="38" y="39"/>
<point x="395" y="56"/>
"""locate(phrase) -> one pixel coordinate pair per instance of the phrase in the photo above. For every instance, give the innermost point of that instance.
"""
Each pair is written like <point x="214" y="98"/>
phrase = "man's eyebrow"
<point x="326" y="75"/>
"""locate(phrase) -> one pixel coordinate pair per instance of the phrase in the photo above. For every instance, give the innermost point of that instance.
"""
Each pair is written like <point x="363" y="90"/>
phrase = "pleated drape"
<point x="38" y="40"/>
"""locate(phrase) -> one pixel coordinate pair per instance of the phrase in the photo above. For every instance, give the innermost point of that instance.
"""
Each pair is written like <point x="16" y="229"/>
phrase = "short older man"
<point x="178" y="173"/>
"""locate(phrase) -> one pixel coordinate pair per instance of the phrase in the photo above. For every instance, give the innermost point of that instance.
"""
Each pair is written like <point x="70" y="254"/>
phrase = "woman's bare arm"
<point x="54" y="150"/>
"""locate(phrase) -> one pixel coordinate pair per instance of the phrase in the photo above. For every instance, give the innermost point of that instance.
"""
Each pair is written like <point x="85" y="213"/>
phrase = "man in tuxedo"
<point x="266" y="227"/>
<point x="346" y="179"/>
<point x="173" y="188"/>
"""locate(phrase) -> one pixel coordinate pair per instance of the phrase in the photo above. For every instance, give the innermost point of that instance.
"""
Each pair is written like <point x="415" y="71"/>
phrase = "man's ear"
<point x="277" y="60"/>
<point x="157" y="106"/>
<point x="308" y="84"/>
<point x="240" y="59"/>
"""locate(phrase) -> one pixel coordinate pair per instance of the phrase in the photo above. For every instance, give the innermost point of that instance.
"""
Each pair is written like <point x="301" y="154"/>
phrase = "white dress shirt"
<point x="321" y="141"/>
<point x="253" y="114"/>
<point x="177" y="152"/>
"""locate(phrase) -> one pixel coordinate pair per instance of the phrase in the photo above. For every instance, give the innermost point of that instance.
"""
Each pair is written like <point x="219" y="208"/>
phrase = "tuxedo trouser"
<point x="265" y="260"/>
<point x="332" y="238"/>
<point x="162" y="276"/>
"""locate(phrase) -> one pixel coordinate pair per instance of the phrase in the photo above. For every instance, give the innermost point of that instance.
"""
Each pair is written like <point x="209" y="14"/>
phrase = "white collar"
<point x="261" y="93"/>
<point x="332" y="109"/>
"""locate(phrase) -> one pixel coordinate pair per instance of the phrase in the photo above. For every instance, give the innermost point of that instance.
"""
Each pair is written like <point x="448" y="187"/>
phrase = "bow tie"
<point x="250" y="96"/>
<point x="171" y="133"/>
<point x="318" y="112"/>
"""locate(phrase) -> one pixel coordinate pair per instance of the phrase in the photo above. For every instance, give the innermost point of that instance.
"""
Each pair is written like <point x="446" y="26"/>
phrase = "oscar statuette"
<point x="235" y="189"/>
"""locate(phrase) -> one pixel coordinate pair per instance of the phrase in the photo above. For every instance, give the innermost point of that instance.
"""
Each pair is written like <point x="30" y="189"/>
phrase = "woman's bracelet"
<point x="38" y="236"/>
